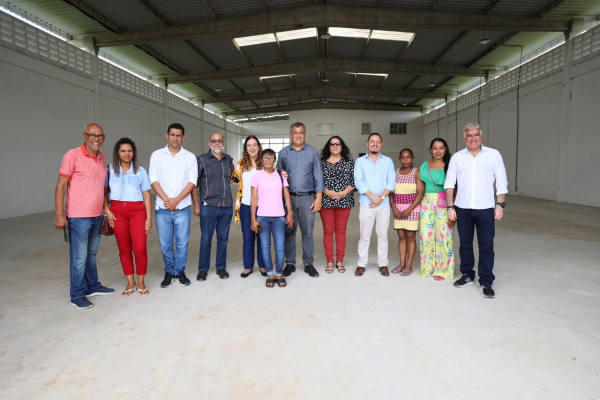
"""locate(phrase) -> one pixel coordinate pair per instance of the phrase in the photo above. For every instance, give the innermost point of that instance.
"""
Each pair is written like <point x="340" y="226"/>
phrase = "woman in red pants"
<point x="338" y="199"/>
<point x="130" y="212"/>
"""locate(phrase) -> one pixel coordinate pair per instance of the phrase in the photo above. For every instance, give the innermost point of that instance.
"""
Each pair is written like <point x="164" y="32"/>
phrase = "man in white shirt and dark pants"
<point x="475" y="169"/>
<point x="173" y="175"/>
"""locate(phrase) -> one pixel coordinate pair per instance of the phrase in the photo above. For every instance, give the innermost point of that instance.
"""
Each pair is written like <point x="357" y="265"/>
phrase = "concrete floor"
<point x="335" y="337"/>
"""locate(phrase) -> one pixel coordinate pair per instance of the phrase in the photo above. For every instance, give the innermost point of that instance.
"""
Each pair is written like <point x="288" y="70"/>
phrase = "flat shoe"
<point x="263" y="273"/>
<point x="245" y="275"/>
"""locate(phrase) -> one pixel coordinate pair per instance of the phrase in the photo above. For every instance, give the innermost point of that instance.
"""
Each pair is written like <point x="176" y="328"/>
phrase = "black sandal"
<point x="270" y="283"/>
<point x="244" y="274"/>
<point x="281" y="282"/>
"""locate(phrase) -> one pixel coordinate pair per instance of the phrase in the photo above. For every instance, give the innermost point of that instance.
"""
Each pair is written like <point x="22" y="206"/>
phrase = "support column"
<point x="446" y="118"/>
<point x="563" y="151"/>
<point x="97" y="87"/>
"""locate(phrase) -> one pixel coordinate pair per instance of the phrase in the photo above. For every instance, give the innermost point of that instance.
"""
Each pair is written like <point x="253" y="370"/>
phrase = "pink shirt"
<point x="85" y="190"/>
<point x="270" y="193"/>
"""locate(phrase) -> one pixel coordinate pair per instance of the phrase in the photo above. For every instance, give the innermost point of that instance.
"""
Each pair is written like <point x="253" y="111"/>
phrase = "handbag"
<point x="105" y="228"/>
<point x="441" y="195"/>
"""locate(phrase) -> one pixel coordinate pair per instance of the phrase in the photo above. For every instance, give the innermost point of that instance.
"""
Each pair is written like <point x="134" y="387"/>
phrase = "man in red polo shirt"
<point x="82" y="174"/>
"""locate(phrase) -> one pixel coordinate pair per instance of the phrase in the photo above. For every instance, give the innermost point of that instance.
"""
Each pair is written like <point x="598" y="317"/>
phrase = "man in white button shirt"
<point x="173" y="174"/>
<point x="475" y="169"/>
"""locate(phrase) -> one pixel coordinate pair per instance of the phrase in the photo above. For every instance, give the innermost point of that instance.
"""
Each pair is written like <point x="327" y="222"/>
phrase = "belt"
<point x="299" y="194"/>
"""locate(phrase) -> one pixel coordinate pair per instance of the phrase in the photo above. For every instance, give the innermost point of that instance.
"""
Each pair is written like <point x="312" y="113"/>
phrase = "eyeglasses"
<point x="93" y="137"/>
<point x="268" y="158"/>
<point x="334" y="144"/>
<point x="219" y="141"/>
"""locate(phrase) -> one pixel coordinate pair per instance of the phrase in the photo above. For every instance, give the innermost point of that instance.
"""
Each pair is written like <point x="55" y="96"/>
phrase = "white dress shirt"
<point x="173" y="173"/>
<point x="476" y="176"/>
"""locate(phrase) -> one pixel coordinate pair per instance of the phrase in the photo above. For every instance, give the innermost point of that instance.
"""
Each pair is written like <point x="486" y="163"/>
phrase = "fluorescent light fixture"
<point x="432" y="84"/>
<point x="275" y="76"/>
<point x="326" y="36"/>
<point x="348" y="32"/>
<point x="366" y="73"/>
<point x="325" y="80"/>
<point x="252" y="40"/>
<point x="484" y="41"/>
<point x="218" y="89"/>
<point x="392" y="35"/>
<point x="297" y="34"/>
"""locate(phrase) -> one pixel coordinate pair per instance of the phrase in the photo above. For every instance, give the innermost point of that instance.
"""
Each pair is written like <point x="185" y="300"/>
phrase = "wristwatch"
<point x="450" y="207"/>
<point x="501" y="204"/>
<point x="382" y="198"/>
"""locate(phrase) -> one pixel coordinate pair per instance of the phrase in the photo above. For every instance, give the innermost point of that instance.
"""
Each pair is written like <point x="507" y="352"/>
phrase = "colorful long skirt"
<point x="436" y="239"/>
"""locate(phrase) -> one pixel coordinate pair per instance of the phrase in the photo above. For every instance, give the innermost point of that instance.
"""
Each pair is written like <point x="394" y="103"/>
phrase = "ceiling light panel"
<point x="347" y="32"/>
<point x="297" y="34"/>
<point x="392" y="35"/>
<point x="258" y="39"/>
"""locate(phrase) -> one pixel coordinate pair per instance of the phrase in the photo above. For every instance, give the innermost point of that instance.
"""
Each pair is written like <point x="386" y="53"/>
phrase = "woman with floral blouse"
<point x="338" y="199"/>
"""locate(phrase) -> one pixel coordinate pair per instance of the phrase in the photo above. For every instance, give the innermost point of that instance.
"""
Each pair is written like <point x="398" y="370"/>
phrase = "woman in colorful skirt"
<point x="406" y="199"/>
<point x="436" y="239"/>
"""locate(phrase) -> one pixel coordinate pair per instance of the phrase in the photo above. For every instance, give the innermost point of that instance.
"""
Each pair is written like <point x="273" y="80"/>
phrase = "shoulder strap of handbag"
<point x="432" y="181"/>
<point x="282" y="196"/>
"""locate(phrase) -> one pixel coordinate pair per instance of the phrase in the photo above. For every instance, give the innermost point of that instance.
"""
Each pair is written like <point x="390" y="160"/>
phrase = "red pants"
<point x="130" y="232"/>
<point x="335" y="221"/>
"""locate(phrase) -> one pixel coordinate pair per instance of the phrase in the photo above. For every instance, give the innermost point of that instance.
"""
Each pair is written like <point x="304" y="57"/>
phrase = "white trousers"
<point x="381" y="218"/>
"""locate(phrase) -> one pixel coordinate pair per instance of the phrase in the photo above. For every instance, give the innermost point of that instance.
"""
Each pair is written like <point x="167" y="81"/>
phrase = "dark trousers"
<point x="467" y="220"/>
<point x="250" y="239"/>
<point x="214" y="219"/>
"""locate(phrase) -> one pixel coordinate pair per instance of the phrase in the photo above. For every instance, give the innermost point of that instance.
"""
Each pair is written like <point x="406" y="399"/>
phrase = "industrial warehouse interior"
<point x="526" y="71"/>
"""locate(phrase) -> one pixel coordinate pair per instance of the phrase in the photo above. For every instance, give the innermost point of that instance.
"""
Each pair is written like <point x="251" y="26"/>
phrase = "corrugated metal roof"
<point x="235" y="8"/>
<point x="349" y="48"/>
<point x="467" y="48"/>
<point x="503" y="56"/>
<point x="576" y="8"/>
<point x="522" y="8"/>
<point x="300" y="49"/>
<point x="282" y="82"/>
<point x="279" y="4"/>
<point x="262" y="54"/>
<point x="182" y="54"/>
<point x="306" y="79"/>
<point x="180" y="12"/>
<point x="465" y="6"/>
<point x="422" y="83"/>
<point x="397" y="81"/>
<point x="368" y="80"/>
<point x="250" y="85"/>
<point x="428" y="44"/>
<point x="222" y="51"/>
<point x="385" y="50"/>
<point x="340" y="78"/>
<point x="128" y="15"/>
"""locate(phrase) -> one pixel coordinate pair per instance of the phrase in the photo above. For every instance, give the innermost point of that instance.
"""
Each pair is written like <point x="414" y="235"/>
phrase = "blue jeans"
<point x="276" y="226"/>
<point x="84" y="238"/>
<point x="466" y="221"/>
<point x="169" y="225"/>
<point x="250" y="237"/>
<point x="212" y="218"/>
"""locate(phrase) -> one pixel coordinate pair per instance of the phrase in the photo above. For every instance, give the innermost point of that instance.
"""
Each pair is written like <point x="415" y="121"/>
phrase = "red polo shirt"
<point x="86" y="174"/>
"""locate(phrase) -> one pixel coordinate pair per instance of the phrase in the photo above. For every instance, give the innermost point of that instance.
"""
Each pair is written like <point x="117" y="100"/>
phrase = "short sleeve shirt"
<point x="85" y="190"/>
<point x="127" y="186"/>
<point x="270" y="193"/>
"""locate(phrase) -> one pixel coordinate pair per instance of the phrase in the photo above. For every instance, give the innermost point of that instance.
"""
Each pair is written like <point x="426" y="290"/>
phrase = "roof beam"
<point x="210" y="9"/>
<point x="317" y="105"/>
<point x="324" y="90"/>
<point x="264" y="119"/>
<point x="327" y="64"/>
<point x="332" y="15"/>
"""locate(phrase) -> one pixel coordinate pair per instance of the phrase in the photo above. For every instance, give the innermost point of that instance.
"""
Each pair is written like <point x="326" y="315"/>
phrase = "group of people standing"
<point x="274" y="198"/>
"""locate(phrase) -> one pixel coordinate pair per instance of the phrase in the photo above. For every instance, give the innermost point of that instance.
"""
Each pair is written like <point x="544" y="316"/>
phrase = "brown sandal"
<point x="340" y="267"/>
<point x="329" y="268"/>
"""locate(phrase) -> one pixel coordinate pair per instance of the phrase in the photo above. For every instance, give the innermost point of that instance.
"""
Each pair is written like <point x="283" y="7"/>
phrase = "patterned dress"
<point x="436" y="244"/>
<point x="405" y="193"/>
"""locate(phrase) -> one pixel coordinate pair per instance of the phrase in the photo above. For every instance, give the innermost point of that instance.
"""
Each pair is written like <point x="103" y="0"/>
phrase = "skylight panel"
<point x="365" y="73"/>
<point x="297" y="34"/>
<point x="348" y="32"/>
<point x="275" y="76"/>
<point x="392" y="35"/>
<point x="257" y="39"/>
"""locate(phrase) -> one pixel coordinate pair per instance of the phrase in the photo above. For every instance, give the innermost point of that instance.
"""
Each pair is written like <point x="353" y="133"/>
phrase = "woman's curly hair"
<point x="246" y="161"/>
<point x="117" y="161"/>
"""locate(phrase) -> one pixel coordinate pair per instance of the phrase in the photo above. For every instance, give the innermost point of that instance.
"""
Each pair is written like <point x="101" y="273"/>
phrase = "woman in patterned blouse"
<point x="242" y="173"/>
<point x="338" y="199"/>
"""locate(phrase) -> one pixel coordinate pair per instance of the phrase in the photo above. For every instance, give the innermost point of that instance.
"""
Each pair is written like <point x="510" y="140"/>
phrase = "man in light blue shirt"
<point x="375" y="179"/>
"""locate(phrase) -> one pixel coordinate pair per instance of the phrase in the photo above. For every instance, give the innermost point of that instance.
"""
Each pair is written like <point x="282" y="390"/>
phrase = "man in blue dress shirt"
<point x="375" y="179"/>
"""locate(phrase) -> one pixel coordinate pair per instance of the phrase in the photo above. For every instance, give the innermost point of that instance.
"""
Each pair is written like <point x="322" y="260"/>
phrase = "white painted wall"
<point x="540" y="135"/>
<point x="348" y="126"/>
<point x="43" y="110"/>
